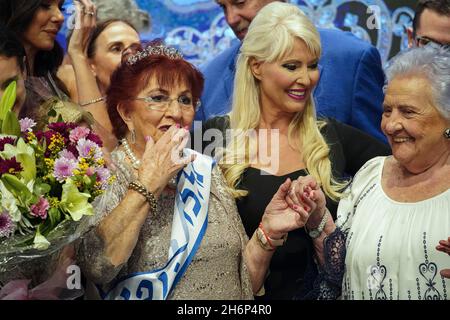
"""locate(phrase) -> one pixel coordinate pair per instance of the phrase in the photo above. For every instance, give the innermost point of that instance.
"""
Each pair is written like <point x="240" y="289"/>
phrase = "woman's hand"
<point x="306" y="193"/>
<point x="444" y="246"/>
<point x="279" y="218"/>
<point x="85" y="22"/>
<point x="161" y="161"/>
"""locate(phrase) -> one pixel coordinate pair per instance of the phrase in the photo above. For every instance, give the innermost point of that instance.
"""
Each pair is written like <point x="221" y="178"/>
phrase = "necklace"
<point x="136" y="163"/>
<point x="130" y="154"/>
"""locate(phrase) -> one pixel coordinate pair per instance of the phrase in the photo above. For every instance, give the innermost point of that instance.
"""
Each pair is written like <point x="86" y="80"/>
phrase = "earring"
<point x="447" y="133"/>
<point x="133" y="136"/>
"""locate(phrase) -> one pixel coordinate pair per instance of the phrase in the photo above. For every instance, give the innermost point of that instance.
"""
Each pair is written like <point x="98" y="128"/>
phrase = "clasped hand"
<point x="295" y="204"/>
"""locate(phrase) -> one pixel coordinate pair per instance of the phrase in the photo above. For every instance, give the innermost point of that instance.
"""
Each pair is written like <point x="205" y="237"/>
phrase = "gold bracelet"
<point x="149" y="197"/>
<point x="84" y="104"/>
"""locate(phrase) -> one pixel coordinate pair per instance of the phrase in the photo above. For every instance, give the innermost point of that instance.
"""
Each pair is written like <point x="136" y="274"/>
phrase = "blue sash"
<point x="190" y="220"/>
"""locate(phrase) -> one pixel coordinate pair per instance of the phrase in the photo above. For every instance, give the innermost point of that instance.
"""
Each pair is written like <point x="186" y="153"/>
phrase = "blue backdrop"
<point x="199" y="29"/>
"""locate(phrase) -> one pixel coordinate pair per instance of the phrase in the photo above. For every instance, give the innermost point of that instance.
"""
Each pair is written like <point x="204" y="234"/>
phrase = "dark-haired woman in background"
<point x="36" y="23"/>
<point x="94" y="61"/>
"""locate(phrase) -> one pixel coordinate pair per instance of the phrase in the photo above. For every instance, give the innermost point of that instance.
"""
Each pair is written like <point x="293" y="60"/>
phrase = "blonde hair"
<point x="270" y="36"/>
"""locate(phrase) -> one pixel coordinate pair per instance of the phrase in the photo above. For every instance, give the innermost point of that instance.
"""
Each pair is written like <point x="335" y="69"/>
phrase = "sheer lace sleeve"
<point x="330" y="276"/>
<point x="329" y="281"/>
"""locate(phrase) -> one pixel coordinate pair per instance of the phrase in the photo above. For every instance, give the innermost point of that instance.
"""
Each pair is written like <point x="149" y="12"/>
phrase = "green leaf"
<point x="52" y="113"/>
<point x="55" y="216"/>
<point x="42" y="188"/>
<point x="8" y="99"/>
<point x="17" y="188"/>
<point x="10" y="124"/>
<point x="60" y="118"/>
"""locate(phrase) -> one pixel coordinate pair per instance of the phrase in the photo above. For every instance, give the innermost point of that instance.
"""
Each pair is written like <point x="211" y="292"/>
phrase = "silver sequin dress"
<point x="216" y="272"/>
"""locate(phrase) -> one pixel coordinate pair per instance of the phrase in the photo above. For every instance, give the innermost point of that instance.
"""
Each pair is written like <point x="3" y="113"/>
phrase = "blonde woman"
<point x="273" y="117"/>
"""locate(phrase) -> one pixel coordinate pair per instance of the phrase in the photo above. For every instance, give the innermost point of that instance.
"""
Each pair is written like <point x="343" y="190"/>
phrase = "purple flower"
<point x="6" y="140"/>
<point x="7" y="226"/>
<point x="78" y="133"/>
<point x="26" y="124"/>
<point x="87" y="148"/>
<point x="95" y="138"/>
<point x="67" y="154"/>
<point x="10" y="166"/>
<point x="73" y="150"/>
<point x="103" y="174"/>
<point x="62" y="127"/>
<point x="64" y="168"/>
<point x="40" y="209"/>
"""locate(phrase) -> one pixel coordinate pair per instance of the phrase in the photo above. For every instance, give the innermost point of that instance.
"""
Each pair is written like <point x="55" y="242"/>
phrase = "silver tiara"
<point x="159" y="50"/>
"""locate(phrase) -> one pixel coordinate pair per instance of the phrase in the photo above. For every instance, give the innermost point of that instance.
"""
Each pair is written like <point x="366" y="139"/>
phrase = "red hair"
<point x="128" y="80"/>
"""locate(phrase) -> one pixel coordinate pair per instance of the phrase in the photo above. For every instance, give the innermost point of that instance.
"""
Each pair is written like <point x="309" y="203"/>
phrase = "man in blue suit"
<point x="351" y="82"/>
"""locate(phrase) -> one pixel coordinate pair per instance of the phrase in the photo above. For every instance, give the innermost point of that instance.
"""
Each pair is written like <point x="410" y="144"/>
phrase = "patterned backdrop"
<point x="199" y="29"/>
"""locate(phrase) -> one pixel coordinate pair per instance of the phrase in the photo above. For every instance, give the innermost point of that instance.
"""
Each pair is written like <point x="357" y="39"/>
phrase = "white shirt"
<point x="391" y="246"/>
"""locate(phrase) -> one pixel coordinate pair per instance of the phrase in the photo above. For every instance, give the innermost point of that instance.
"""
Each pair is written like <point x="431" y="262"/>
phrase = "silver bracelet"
<point x="84" y="104"/>
<point x="315" y="233"/>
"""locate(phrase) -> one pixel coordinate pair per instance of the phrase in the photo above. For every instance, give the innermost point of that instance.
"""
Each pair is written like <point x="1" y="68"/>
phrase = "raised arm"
<point x="117" y="234"/>
<point x="277" y="221"/>
<point x="89" y="95"/>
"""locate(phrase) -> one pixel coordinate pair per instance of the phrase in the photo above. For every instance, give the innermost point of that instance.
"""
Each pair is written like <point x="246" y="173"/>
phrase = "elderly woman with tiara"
<point x="168" y="227"/>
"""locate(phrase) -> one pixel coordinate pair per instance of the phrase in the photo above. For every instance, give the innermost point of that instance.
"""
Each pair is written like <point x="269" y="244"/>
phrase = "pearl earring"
<point x="447" y="133"/>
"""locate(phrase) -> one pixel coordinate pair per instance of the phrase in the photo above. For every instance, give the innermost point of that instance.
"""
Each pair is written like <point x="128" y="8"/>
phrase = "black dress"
<point x="350" y="148"/>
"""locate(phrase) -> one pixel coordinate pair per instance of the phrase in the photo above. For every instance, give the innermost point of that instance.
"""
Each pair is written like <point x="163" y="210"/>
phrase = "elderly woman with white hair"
<point x="386" y="242"/>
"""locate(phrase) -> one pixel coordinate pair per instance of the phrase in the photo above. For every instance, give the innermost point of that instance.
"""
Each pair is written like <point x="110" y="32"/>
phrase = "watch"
<point x="315" y="233"/>
<point x="268" y="243"/>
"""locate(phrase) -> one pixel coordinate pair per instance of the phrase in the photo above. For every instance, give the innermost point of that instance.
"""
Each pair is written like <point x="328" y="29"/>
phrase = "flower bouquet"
<point x="48" y="181"/>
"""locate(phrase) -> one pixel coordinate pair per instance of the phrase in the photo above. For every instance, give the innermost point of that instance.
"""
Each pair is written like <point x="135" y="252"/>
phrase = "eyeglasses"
<point x="423" y="41"/>
<point x="161" y="102"/>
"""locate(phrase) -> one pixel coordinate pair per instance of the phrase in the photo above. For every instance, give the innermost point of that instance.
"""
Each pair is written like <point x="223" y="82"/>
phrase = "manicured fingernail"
<point x="305" y="194"/>
<point x="147" y="138"/>
<point x="186" y="127"/>
<point x="178" y="125"/>
<point x="306" y="209"/>
<point x="295" y="207"/>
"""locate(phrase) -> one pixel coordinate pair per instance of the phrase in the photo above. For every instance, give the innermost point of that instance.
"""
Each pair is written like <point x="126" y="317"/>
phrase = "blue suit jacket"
<point x="350" y="87"/>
